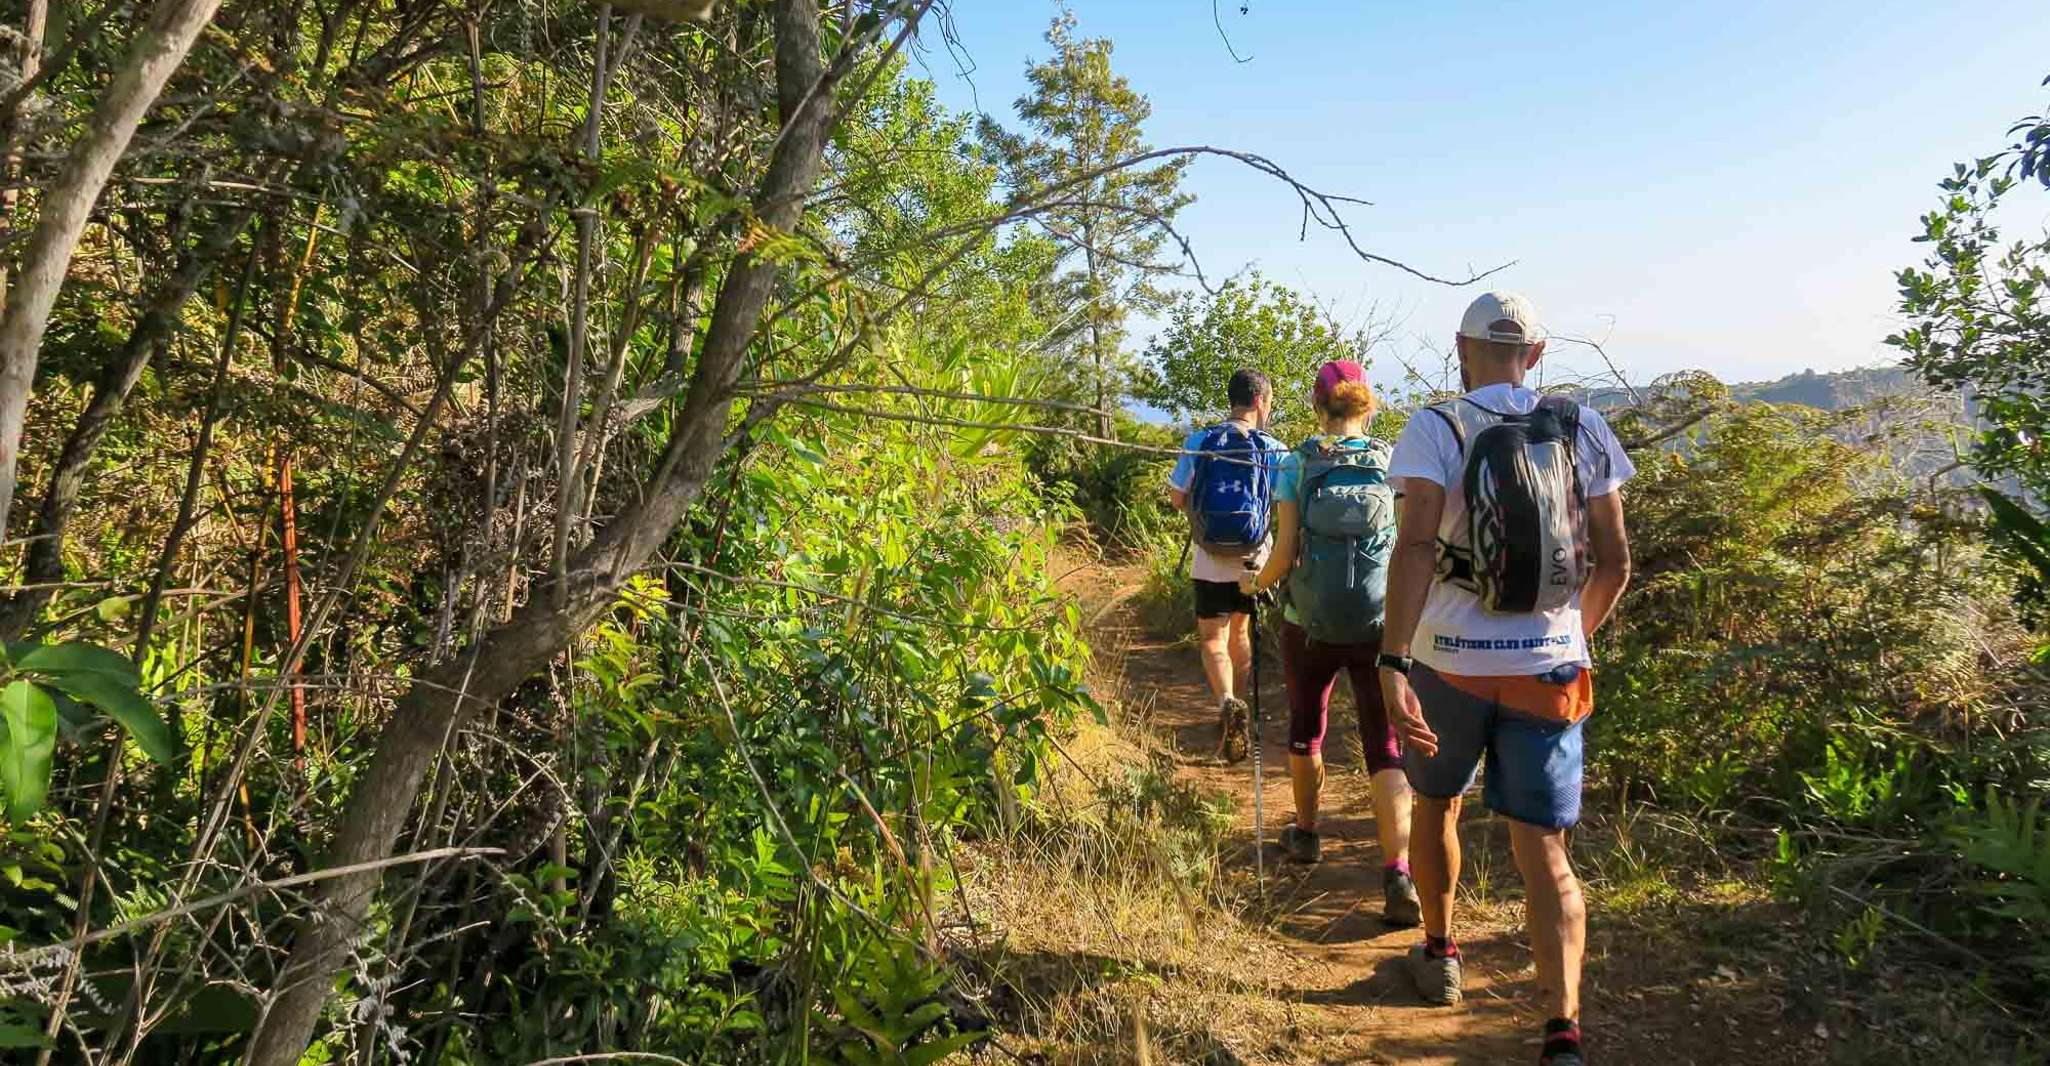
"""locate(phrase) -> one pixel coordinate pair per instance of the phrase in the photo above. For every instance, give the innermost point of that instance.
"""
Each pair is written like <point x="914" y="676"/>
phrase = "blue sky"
<point x="1724" y="186"/>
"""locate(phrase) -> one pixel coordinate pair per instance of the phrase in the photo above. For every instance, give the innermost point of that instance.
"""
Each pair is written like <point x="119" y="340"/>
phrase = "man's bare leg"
<point x="1555" y="915"/>
<point x="1391" y="814"/>
<point x="1213" y="637"/>
<point x="1242" y="652"/>
<point x="1434" y="858"/>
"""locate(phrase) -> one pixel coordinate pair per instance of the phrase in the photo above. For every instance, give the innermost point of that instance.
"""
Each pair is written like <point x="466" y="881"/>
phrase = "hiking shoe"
<point x="1436" y="979"/>
<point x="1400" y="906"/>
<point x="1562" y="1044"/>
<point x="1303" y="845"/>
<point x="1232" y="714"/>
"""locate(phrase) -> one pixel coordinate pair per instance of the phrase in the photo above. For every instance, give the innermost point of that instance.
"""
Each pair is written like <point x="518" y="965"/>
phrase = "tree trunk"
<point x="28" y="62"/>
<point x="1097" y="290"/>
<point x="579" y="322"/>
<point x="434" y="706"/>
<point x="152" y="332"/>
<point x="159" y="48"/>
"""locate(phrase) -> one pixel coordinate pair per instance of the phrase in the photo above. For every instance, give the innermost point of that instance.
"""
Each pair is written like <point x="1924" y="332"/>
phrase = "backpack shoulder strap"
<point x="1376" y="456"/>
<point x="1201" y="444"/>
<point x="1313" y="462"/>
<point x="1451" y="423"/>
<point x="1221" y="443"/>
<point x="1570" y="428"/>
<point x="1564" y="407"/>
<point x="1320" y="460"/>
<point x="1484" y="408"/>
<point x="1568" y="413"/>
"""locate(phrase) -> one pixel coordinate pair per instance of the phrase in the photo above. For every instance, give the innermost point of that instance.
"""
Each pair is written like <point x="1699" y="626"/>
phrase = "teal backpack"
<point x="1339" y="586"/>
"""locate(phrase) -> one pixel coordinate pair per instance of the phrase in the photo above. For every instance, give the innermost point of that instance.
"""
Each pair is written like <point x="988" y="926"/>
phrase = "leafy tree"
<point x="1246" y="323"/>
<point x="1979" y="306"/>
<point x="1083" y="119"/>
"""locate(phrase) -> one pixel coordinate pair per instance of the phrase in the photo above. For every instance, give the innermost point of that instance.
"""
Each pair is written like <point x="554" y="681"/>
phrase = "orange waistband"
<point x="1529" y="694"/>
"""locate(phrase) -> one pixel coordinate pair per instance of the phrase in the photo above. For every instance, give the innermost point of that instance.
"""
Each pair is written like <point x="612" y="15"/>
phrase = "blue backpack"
<point x="1232" y="491"/>
<point x="1339" y="585"/>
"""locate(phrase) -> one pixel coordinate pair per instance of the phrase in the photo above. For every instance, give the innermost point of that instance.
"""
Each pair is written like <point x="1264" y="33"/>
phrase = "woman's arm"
<point x="1282" y="558"/>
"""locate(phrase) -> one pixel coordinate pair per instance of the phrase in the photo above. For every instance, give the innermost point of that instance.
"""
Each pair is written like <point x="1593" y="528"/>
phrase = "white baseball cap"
<point x="1502" y="316"/>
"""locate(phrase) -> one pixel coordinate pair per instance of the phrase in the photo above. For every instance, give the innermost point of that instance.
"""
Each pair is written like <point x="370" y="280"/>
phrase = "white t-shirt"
<point x="1456" y="635"/>
<point x="1203" y="566"/>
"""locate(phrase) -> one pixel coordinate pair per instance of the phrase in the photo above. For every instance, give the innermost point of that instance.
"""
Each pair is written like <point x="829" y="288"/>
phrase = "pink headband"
<point x="1331" y="373"/>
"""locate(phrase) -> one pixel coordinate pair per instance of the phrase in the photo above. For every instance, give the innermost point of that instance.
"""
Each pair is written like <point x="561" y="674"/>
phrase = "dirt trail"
<point x="1355" y="1003"/>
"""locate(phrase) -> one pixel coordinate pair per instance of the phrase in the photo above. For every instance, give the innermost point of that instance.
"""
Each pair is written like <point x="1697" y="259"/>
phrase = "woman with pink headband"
<point x="1334" y="527"/>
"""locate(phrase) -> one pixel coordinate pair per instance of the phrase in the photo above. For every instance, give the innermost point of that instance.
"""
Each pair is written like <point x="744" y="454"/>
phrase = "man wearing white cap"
<point x="1510" y="552"/>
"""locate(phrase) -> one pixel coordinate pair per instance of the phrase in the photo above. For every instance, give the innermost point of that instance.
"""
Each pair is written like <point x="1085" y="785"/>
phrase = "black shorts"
<point x="1215" y="598"/>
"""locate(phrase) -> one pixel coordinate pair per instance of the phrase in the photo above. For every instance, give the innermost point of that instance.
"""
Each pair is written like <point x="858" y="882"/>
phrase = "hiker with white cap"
<point x="1510" y="553"/>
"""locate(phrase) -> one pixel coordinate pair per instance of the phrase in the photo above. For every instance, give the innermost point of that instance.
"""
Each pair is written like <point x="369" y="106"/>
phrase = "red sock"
<point x="1400" y="866"/>
<point x="1440" y="947"/>
<point x="1561" y="1034"/>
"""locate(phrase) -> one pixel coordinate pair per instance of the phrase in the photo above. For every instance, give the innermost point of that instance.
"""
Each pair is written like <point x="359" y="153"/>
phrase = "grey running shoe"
<point x="1400" y="906"/>
<point x="1303" y="845"/>
<point x="1232" y="715"/>
<point x="1437" y="979"/>
<point x="1563" y="1058"/>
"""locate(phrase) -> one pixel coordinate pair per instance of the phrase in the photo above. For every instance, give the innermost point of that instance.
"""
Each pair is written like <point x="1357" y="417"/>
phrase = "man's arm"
<point x="1411" y="567"/>
<point x="1179" y="498"/>
<point x="1414" y="561"/>
<point x="1611" y="545"/>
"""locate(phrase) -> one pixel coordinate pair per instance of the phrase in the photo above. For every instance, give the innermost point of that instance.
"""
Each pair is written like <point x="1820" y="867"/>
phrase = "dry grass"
<point x="1106" y="933"/>
<point x="1080" y="964"/>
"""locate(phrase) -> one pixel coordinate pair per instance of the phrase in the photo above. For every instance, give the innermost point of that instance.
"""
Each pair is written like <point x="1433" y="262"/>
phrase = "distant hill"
<point x="1832" y="392"/>
<point x="1826" y="392"/>
<point x="1914" y="427"/>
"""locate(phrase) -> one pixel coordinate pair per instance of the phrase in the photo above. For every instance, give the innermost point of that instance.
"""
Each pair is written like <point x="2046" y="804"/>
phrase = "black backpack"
<point x="1523" y="547"/>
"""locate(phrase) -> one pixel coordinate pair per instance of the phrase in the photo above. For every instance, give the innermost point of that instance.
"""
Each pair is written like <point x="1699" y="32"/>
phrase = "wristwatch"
<point x="1398" y="663"/>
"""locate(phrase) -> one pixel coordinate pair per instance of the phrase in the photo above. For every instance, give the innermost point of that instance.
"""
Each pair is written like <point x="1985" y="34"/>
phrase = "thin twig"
<point x="1218" y="21"/>
<point x="13" y="959"/>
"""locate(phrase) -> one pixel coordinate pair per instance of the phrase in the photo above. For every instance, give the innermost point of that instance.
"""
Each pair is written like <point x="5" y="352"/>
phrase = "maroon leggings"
<point x="1311" y="668"/>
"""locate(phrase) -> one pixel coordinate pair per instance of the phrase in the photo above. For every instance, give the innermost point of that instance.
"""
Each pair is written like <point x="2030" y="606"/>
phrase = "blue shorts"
<point x="1534" y="763"/>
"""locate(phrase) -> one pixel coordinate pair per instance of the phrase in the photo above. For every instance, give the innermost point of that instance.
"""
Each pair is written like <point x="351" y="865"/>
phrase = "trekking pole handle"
<point x="1261" y="597"/>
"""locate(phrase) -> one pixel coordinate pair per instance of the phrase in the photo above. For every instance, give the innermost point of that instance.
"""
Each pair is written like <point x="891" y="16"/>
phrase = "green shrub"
<point x="1121" y="493"/>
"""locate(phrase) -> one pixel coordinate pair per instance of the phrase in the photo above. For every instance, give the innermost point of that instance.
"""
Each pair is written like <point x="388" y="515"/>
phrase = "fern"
<point x="2010" y="841"/>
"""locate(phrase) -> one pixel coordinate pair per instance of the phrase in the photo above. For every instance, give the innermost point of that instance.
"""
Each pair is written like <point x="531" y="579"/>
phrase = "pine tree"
<point x="1082" y="118"/>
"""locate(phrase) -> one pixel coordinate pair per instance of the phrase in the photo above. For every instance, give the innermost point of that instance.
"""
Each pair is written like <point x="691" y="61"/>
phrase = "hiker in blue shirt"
<point x="1224" y="483"/>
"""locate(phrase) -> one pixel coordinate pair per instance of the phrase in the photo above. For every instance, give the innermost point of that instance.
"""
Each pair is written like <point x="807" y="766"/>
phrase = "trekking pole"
<point x="1259" y="789"/>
